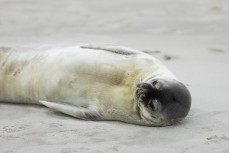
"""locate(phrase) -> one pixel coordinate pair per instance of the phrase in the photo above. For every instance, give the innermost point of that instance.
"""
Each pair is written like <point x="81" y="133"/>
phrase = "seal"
<point x="94" y="82"/>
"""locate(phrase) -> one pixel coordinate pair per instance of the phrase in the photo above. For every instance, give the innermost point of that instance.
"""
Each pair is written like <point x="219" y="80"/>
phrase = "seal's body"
<point x="93" y="82"/>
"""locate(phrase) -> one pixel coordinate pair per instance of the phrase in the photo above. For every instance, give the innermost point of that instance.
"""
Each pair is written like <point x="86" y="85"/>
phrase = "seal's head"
<point x="162" y="102"/>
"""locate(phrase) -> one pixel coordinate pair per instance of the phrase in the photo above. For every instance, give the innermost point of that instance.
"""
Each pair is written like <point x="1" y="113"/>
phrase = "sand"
<point x="191" y="37"/>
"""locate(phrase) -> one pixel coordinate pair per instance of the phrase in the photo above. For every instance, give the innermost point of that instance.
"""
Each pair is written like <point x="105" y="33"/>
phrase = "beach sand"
<point x="190" y="37"/>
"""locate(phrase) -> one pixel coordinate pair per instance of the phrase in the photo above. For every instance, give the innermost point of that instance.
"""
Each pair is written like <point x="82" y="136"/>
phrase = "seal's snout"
<point x="166" y="100"/>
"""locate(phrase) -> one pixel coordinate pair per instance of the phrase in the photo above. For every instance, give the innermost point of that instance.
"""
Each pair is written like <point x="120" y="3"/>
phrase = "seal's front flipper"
<point x="78" y="112"/>
<point x="111" y="48"/>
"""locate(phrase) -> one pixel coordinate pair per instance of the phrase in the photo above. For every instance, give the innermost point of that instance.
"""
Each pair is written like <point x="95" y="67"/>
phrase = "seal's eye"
<point x="156" y="84"/>
<point x="154" y="105"/>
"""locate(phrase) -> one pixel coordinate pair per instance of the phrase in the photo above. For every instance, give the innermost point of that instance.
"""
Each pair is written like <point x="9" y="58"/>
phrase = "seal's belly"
<point x="72" y="74"/>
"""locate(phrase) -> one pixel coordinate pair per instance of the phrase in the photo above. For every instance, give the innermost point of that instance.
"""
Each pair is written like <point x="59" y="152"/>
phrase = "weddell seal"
<point x="94" y="82"/>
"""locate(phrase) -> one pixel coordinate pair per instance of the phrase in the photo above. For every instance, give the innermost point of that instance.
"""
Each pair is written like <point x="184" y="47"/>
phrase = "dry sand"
<point x="191" y="37"/>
